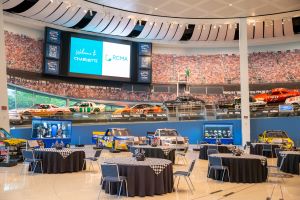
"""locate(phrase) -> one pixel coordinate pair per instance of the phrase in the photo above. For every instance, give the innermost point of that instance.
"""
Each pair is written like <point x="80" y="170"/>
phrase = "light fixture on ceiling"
<point x="51" y="1"/>
<point x="155" y="8"/>
<point x="204" y="27"/>
<point x="215" y="26"/>
<point x="85" y="11"/>
<point x="230" y="26"/>
<point x="199" y="26"/>
<point x="180" y="25"/>
<point x="151" y="23"/>
<point x="230" y="4"/>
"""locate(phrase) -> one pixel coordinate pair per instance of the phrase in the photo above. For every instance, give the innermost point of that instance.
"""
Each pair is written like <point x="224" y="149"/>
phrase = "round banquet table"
<point x="291" y="161"/>
<point x="242" y="169"/>
<point x="157" y="152"/>
<point x="256" y="149"/>
<point x="141" y="177"/>
<point x="60" y="161"/>
<point x="221" y="148"/>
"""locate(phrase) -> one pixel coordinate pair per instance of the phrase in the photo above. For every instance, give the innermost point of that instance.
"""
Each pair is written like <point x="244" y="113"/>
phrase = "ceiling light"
<point x="85" y="11"/>
<point x="180" y="25"/>
<point x="155" y="8"/>
<point x="199" y="26"/>
<point x="51" y="1"/>
<point x="151" y="23"/>
<point x="215" y="26"/>
<point x="204" y="27"/>
<point x="230" y="26"/>
<point x="230" y="4"/>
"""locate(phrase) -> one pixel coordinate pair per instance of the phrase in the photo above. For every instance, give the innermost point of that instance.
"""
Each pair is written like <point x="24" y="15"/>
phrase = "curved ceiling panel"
<point x="146" y="30"/>
<point x="213" y="33"/>
<point x="179" y="33"/>
<point x="196" y="33"/>
<point x="259" y="30"/>
<point x="288" y="28"/>
<point x="155" y="29"/>
<point x="67" y="16"/>
<point x="11" y="3"/>
<point x="103" y="24"/>
<point x="113" y="24"/>
<point x="278" y="31"/>
<point x="268" y="31"/>
<point x="78" y="16"/>
<point x="205" y="32"/>
<point x="40" y="5"/>
<point x="171" y="32"/>
<point x="250" y="29"/>
<point x="50" y="8"/>
<point x="57" y="13"/>
<point x="163" y="31"/>
<point x="222" y="32"/>
<point x="230" y="33"/>
<point x="94" y="22"/>
<point x="130" y="26"/>
<point x="120" y="28"/>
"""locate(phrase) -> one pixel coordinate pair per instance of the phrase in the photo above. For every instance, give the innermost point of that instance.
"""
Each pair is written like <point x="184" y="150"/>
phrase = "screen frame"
<point x="219" y="125"/>
<point x="103" y="39"/>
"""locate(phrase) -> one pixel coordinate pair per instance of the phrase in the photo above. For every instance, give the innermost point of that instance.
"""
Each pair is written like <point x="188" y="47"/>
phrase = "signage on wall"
<point x="52" y="51"/>
<point x="145" y="49"/>
<point x="144" y="76"/>
<point x="144" y="63"/>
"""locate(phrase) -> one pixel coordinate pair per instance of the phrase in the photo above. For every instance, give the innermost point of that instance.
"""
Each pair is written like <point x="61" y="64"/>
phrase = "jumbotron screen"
<point x="99" y="58"/>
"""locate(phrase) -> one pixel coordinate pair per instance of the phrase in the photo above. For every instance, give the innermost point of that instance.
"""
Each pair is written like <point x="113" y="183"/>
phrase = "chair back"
<point x="277" y="151"/>
<point x="283" y="156"/>
<point x="215" y="161"/>
<point x="248" y="143"/>
<point x="212" y="151"/>
<point x="213" y="147"/>
<point x="110" y="170"/>
<point x="97" y="153"/>
<point x="267" y="147"/>
<point x="191" y="167"/>
<point x="28" y="155"/>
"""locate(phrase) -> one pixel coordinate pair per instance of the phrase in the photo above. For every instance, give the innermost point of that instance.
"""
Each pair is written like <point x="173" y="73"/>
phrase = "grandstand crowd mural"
<point x="25" y="54"/>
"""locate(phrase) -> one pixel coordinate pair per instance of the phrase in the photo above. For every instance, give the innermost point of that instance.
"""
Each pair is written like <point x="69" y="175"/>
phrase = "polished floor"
<point x="85" y="185"/>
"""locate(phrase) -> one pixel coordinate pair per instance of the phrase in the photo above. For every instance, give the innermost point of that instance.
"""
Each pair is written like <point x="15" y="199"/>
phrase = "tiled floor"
<point x="85" y="185"/>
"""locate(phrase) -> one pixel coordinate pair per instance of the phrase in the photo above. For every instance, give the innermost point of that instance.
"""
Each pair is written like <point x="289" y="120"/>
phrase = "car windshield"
<point x="44" y="106"/>
<point x="120" y="132"/>
<point x="276" y="134"/>
<point x="168" y="133"/>
<point x="4" y="134"/>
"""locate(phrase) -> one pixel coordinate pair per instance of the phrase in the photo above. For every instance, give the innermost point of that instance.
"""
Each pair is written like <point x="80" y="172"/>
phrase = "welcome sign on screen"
<point x="94" y="57"/>
<point x="86" y="56"/>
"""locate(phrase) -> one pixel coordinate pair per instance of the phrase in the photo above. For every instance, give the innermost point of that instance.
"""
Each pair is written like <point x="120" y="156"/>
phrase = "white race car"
<point x="170" y="137"/>
<point x="293" y="101"/>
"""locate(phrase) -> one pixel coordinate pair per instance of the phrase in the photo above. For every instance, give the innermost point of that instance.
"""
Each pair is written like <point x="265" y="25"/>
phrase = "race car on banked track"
<point x="140" y="111"/>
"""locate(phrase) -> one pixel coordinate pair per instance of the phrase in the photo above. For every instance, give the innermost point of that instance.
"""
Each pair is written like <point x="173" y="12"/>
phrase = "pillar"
<point x="244" y="80"/>
<point x="4" y="120"/>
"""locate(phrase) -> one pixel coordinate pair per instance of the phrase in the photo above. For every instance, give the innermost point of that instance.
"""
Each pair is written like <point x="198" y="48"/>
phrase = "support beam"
<point x="4" y="121"/>
<point x="244" y="79"/>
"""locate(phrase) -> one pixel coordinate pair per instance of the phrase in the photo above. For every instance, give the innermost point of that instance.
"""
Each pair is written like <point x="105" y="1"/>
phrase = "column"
<point x="244" y="79"/>
<point x="4" y="120"/>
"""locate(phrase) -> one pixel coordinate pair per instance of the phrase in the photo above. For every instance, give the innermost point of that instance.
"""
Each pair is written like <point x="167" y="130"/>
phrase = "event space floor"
<point x="85" y="185"/>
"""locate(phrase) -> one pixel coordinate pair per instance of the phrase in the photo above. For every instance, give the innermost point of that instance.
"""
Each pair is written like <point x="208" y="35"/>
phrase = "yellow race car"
<point x="115" y="138"/>
<point x="276" y="137"/>
<point x="15" y="145"/>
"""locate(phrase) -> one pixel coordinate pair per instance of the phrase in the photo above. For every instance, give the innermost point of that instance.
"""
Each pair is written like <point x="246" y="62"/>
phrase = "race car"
<point x="44" y="110"/>
<point x="87" y="107"/>
<point x="277" y="95"/>
<point x="293" y="101"/>
<point x="170" y="137"/>
<point x="184" y="102"/>
<point x="276" y="137"/>
<point x="139" y="110"/>
<point x="115" y="138"/>
<point x="14" y="145"/>
<point x="255" y="104"/>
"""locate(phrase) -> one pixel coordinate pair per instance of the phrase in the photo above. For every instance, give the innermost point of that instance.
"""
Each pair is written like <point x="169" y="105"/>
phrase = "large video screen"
<point x="99" y="58"/>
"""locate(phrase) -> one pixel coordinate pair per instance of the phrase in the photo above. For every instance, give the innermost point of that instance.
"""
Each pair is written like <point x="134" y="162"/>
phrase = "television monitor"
<point x="51" y="129"/>
<point x="214" y="132"/>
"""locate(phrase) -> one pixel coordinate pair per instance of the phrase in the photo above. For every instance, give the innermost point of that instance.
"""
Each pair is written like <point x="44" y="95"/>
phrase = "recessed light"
<point x="230" y="4"/>
<point x="155" y="8"/>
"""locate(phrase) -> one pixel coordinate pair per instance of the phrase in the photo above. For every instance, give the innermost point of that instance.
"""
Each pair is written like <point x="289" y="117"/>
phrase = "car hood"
<point x="14" y="141"/>
<point x="171" y="138"/>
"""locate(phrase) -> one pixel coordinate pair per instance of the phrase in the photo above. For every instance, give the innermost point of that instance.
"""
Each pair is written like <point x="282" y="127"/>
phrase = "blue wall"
<point x="191" y="129"/>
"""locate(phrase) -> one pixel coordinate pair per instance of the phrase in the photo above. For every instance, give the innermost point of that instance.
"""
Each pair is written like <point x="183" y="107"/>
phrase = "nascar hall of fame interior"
<point x="150" y="99"/>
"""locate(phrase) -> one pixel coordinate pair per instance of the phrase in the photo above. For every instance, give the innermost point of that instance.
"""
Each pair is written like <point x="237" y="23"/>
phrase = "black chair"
<point x="212" y="151"/>
<point x="216" y="164"/>
<point x="30" y="159"/>
<point x="110" y="174"/>
<point x="93" y="159"/>
<point x="267" y="148"/>
<point x="186" y="175"/>
<point x="181" y="155"/>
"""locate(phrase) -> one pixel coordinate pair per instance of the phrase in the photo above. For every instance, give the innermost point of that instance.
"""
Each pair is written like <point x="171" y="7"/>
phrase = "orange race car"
<point x="277" y="95"/>
<point x="45" y="110"/>
<point x="139" y="110"/>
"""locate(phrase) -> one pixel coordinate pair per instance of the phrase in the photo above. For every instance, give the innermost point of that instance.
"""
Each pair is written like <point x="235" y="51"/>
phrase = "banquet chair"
<point x="30" y="159"/>
<point x="267" y="148"/>
<point x="216" y="164"/>
<point x="93" y="159"/>
<point x="110" y="174"/>
<point x="278" y="174"/>
<point x="212" y="151"/>
<point x="186" y="175"/>
<point x="181" y="155"/>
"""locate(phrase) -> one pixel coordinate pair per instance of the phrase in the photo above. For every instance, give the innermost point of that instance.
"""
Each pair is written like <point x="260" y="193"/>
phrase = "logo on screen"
<point x="115" y="58"/>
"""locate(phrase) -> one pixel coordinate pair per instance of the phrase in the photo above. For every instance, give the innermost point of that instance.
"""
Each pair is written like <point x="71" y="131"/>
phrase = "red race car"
<point x="277" y="95"/>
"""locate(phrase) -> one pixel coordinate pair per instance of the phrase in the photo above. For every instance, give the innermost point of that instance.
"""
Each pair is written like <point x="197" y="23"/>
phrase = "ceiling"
<point x="203" y="8"/>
